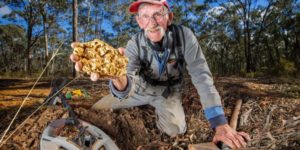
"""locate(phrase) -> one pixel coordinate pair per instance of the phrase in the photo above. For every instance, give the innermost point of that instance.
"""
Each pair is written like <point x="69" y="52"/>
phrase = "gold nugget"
<point x="99" y="57"/>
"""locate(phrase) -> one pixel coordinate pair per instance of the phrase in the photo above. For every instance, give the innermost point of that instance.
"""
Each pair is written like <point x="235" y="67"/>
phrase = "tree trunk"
<point x="271" y="61"/>
<point x="221" y="68"/>
<point x="249" y="49"/>
<point x="46" y="55"/>
<point x="100" y="34"/>
<point x="29" y="36"/>
<point x="88" y="22"/>
<point x="246" y="7"/>
<point x="75" y="21"/>
<point x="53" y="64"/>
<point x="237" y="62"/>
<point x="246" y="50"/>
<point x="296" y="49"/>
<point x="96" y="25"/>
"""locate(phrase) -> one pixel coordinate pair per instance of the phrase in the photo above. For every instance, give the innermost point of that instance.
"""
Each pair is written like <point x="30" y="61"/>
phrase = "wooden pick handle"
<point x="235" y="114"/>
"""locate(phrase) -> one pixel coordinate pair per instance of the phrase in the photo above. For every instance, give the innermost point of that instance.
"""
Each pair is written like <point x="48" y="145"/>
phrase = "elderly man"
<point x="154" y="74"/>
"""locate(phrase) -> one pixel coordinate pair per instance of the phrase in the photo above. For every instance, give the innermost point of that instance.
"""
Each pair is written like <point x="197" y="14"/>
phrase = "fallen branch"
<point x="269" y="119"/>
<point x="244" y="117"/>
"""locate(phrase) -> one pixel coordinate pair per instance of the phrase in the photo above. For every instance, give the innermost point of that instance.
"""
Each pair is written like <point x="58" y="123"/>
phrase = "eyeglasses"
<point x="158" y="16"/>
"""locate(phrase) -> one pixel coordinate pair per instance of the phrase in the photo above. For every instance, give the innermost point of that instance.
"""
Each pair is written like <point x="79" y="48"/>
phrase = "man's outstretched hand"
<point x="78" y="65"/>
<point x="120" y="82"/>
<point x="230" y="137"/>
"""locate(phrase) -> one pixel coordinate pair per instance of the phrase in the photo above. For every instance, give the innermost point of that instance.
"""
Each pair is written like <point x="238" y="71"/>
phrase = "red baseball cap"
<point x="133" y="8"/>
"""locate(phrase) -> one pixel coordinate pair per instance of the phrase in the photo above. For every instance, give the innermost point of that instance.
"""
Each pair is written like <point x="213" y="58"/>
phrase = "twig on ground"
<point x="269" y="119"/>
<point x="244" y="117"/>
<point x="271" y="137"/>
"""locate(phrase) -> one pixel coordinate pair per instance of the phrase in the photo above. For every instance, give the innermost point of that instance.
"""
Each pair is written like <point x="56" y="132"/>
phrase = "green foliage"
<point x="285" y="67"/>
<point x="12" y="34"/>
<point x="253" y="74"/>
<point x="12" y="45"/>
<point x="13" y="74"/>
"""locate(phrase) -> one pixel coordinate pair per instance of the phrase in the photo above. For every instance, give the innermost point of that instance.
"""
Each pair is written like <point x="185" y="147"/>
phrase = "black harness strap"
<point x="179" y="44"/>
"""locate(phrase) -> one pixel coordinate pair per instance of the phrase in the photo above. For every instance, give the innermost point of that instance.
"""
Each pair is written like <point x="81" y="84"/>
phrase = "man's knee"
<point x="172" y="129"/>
<point x="110" y="102"/>
<point x="171" y="119"/>
<point x="105" y="102"/>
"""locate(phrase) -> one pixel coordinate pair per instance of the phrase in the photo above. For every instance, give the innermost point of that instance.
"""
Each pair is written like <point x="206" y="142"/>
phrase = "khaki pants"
<point x="171" y="118"/>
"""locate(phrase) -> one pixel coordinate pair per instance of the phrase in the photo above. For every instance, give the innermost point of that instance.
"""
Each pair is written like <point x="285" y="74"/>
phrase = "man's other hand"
<point x="230" y="137"/>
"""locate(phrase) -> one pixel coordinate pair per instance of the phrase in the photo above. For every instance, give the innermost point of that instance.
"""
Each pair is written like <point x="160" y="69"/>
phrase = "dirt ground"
<point x="270" y="113"/>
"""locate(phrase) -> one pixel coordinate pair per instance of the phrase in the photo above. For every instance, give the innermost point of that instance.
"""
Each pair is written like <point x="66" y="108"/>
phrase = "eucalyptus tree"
<point x="273" y="37"/>
<point x="49" y="11"/>
<point x="217" y="39"/>
<point x="267" y="33"/>
<point x="123" y="23"/>
<point x="91" y="17"/>
<point x="186" y="12"/>
<point x="238" y="23"/>
<point x="26" y="10"/>
<point x="244" y="9"/>
<point x="289" y="29"/>
<point x="88" y="18"/>
<point x="12" y="39"/>
<point x="75" y="29"/>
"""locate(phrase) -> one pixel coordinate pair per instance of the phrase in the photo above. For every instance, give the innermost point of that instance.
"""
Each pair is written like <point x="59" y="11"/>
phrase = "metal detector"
<point x="89" y="136"/>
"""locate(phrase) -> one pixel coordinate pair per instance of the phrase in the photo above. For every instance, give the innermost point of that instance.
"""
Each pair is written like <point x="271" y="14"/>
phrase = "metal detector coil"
<point x="89" y="137"/>
<point x="94" y="138"/>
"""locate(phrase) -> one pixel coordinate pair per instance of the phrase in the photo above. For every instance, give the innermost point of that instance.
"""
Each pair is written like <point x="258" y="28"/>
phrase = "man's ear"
<point x="139" y="22"/>
<point x="171" y="16"/>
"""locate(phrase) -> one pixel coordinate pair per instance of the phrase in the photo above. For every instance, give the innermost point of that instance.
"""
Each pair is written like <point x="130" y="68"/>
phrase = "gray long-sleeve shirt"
<point x="195" y="63"/>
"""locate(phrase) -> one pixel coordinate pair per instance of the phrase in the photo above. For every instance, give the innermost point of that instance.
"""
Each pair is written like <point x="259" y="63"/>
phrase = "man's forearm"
<point x="120" y="83"/>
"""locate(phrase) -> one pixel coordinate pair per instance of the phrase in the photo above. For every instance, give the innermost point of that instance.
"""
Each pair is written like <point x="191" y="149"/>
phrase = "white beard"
<point x="161" y="30"/>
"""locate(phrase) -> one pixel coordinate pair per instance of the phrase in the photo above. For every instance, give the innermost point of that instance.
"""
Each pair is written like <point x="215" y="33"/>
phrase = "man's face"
<point x="154" y="19"/>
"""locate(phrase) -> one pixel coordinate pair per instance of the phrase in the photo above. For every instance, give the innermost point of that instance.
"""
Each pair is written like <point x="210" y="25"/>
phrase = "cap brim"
<point x="134" y="7"/>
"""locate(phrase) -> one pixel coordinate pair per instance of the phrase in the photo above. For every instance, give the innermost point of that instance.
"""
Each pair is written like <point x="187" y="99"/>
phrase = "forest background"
<point x="248" y="38"/>
<point x="251" y="46"/>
